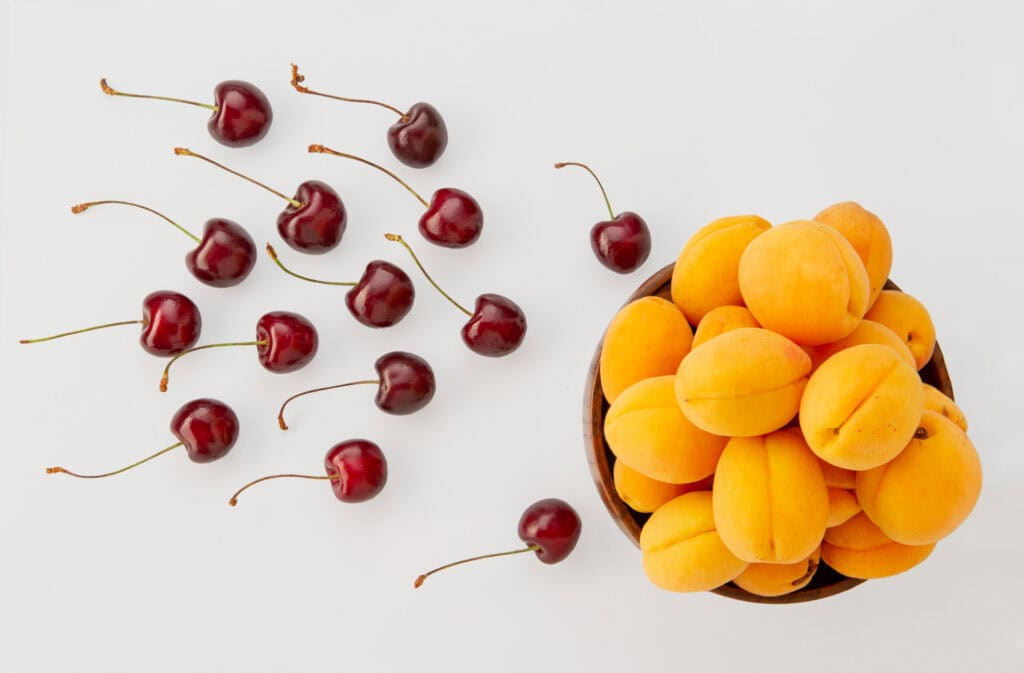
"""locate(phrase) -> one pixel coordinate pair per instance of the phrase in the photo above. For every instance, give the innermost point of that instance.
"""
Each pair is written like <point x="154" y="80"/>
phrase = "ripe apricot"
<point x="720" y="320"/>
<point x="704" y="276"/>
<point x="777" y="579"/>
<point x="805" y="281"/>
<point x="868" y="236"/>
<point x="681" y="549"/>
<point x="648" y="337"/>
<point x="743" y="383"/>
<point x="908" y="317"/>
<point x="770" y="499"/>
<point x="866" y="332"/>
<point x="861" y="407"/>
<point x="925" y="492"/>
<point x="842" y="504"/>
<point x="646" y="430"/>
<point x="939" y="402"/>
<point x="837" y="477"/>
<point x="858" y="548"/>
<point x="644" y="494"/>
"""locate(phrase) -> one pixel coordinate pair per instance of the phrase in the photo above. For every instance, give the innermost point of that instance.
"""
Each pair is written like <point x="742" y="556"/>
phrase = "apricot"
<point x="868" y="236"/>
<point x="681" y="549"/>
<point x="842" y="504"/>
<point x="770" y="499"/>
<point x="925" y="492"/>
<point x="720" y="320"/>
<point x="648" y="337"/>
<point x="837" y="477"/>
<point x="743" y="383"/>
<point x="908" y="317"/>
<point x="704" y="276"/>
<point x="866" y="332"/>
<point x="861" y="407"/>
<point x="939" y="402"/>
<point x="858" y="548"/>
<point x="644" y="494"/>
<point x="805" y="281"/>
<point x="777" y="579"/>
<point x="647" y="431"/>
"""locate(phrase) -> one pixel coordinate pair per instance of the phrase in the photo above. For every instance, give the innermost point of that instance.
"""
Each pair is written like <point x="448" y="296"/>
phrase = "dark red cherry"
<point x="453" y="219"/>
<point x="241" y="112"/>
<point x="357" y="469"/>
<point x="207" y="429"/>
<point x="406" y="383"/>
<point x="382" y="297"/>
<point x="418" y="139"/>
<point x="225" y="255"/>
<point x="496" y="328"/>
<point x="286" y="341"/>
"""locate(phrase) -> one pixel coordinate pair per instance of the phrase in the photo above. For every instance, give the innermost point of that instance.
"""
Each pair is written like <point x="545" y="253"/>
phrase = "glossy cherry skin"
<point x="360" y="467"/>
<point x="382" y="297"/>
<point x="292" y="341"/>
<point x="170" y="323"/>
<point x="553" y="525"/>
<point x="496" y="328"/>
<point x="453" y="219"/>
<point x="208" y="428"/>
<point x="622" y="244"/>
<point x="406" y="383"/>
<point x="319" y="224"/>
<point x="224" y="256"/>
<point x="243" y="114"/>
<point x="419" y="139"/>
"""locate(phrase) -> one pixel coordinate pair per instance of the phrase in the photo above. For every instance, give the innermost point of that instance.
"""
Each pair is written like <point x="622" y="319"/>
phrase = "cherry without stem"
<point x="241" y="112"/>
<point x="453" y="218"/>
<point x="496" y="327"/>
<point x="417" y="139"/>
<point x="313" y="221"/>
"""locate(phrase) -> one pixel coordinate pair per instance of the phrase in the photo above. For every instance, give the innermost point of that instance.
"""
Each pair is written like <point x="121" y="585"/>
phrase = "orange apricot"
<point x="908" y="317"/>
<point x="644" y="494"/>
<point x="939" y="402"/>
<point x="842" y="504"/>
<point x="837" y="477"/>
<point x="778" y="579"/>
<point x="858" y="548"/>
<point x="868" y="236"/>
<point x="866" y="332"/>
<point x="720" y="320"/>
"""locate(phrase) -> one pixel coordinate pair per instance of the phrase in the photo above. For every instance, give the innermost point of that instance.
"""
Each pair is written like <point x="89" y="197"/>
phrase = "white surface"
<point x="687" y="110"/>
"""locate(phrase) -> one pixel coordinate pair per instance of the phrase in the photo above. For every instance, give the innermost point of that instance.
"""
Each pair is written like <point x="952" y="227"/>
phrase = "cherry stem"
<point x="297" y="79"/>
<point x="320" y="149"/>
<point x="422" y="578"/>
<point x="163" y="380"/>
<point x="61" y="470"/>
<point x="82" y="207"/>
<point x="182" y="151"/>
<point x="273" y="256"/>
<point x="280" y="414"/>
<point x="398" y="239"/>
<point x="110" y="91"/>
<point x="563" y="164"/>
<point x="234" y="499"/>
<point x="80" y="331"/>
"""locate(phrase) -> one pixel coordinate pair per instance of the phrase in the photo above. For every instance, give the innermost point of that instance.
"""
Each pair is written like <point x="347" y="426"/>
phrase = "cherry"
<point x="381" y="298"/>
<point x="549" y="527"/>
<point x="241" y="112"/>
<point x="622" y="243"/>
<point x="312" y="222"/>
<point x="405" y="384"/>
<point x="207" y="429"/>
<point x="453" y="218"/>
<point x="170" y="323"/>
<point x="284" y="342"/>
<point x="356" y="469"/>
<point x="223" y="257"/>
<point x="417" y="139"/>
<point x="496" y="327"/>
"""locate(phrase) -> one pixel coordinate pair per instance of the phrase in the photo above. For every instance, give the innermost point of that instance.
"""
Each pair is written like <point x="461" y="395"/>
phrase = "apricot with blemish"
<point x="911" y="321"/>
<point x="778" y="579"/>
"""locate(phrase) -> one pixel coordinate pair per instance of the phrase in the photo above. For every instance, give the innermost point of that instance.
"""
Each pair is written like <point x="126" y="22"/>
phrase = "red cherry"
<point x="496" y="327"/>
<point x="284" y="343"/>
<point x="207" y="429"/>
<point x="453" y="218"/>
<point x="622" y="243"/>
<point x="405" y="384"/>
<point x="417" y="139"/>
<point x="223" y="257"/>
<point x="549" y="527"/>
<point x="241" y="112"/>
<point x="312" y="222"/>
<point x="171" y="323"/>
<point x="381" y="298"/>
<point x="356" y="469"/>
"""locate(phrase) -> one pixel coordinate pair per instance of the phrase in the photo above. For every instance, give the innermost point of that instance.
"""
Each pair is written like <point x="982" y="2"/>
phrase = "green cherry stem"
<point x="234" y="499"/>
<point x="82" y="207"/>
<point x="61" y="470"/>
<point x="320" y="149"/>
<point x="81" y="331"/>
<point x="164" y="378"/>
<point x="423" y="578"/>
<point x="398" y="239"/>
<point x="280" y="414"/>
<point x="185" y="152"/>
<point x="110" y="91"/>
<point x="297" y="80"/>
<point x="563" y="164"/>
<point x="280" y="264"/>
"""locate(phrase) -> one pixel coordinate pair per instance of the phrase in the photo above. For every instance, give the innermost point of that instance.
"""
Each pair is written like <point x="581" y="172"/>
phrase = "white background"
<point x="689" y="111"/>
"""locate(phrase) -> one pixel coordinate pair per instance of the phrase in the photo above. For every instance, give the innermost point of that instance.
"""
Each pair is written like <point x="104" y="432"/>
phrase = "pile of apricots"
<point x="772" y="416"/>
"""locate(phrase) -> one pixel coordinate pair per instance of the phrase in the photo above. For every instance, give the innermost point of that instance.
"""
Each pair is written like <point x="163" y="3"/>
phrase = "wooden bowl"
<point x="826" y="582"/>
